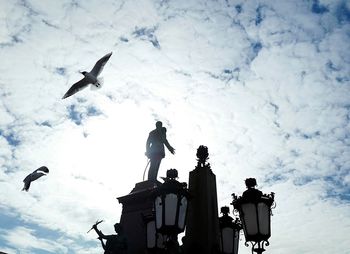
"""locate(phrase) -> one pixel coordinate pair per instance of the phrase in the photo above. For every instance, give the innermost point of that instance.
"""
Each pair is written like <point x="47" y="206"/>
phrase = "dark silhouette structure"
<point x="136" y="205"/>
<point x="155" y="149"/>
<point x="115" y="244"/>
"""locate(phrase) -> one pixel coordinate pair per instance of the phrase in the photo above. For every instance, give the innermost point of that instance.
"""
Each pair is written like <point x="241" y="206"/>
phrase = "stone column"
<point x="202" y="230"/>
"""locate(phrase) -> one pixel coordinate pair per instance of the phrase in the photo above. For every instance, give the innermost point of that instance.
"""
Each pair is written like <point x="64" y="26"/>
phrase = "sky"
<point x="265" y="85"/>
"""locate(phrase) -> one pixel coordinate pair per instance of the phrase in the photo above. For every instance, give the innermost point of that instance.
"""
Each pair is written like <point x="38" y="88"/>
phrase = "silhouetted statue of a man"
<point x="115" y="244"/>
<point x="155" y="149"/>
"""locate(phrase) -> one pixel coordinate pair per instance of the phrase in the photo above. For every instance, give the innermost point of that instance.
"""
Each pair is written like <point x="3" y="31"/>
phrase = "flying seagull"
<point x="89" y="77"/>
<point x="33" y="176"/>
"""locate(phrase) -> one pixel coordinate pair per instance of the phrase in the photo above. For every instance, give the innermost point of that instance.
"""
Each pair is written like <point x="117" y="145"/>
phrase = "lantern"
<point x="255" y="213"/>
<point x="170" y="205"/>
<point x="229" y="232"/>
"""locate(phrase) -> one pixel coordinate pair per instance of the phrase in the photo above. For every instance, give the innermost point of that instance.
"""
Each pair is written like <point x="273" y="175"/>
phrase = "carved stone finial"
<point x="202" y="155"/>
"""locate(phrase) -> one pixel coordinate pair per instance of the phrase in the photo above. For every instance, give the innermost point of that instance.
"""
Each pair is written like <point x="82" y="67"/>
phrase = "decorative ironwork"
<point x="260" y="248"/>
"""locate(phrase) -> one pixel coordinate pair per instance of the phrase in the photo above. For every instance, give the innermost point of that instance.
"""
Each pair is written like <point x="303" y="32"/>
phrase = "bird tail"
<point x="98" y="84"/>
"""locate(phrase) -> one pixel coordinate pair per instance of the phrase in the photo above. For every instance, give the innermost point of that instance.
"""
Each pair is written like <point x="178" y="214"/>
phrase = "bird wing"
<point x="36" y="175"/>
<point x="30" y="178"/>
<point x="26" y="185"/>
<point x="81" y="84"/>
<point x="100" y="64"/>
<point x="27" y="179"/>
<point x="44" y="169"/>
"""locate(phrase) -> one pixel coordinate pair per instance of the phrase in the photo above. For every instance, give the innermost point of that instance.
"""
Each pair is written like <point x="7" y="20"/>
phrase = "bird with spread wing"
<point x="36" y="174"/>
<point x="89" y="77"/>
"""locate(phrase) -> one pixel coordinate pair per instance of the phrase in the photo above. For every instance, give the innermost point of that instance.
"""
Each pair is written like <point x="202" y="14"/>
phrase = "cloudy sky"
<point x="264" y="84"/>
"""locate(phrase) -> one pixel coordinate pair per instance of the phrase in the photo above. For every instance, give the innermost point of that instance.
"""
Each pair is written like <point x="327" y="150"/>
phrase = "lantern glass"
<point x="250" y="218"/>
<point x="170" y="209"/>
<point x="227" y="235"/>
<point x="151" y="234"/>
<point x="264" y="218"/>
<point x="159" y="211"/>
<point x="182" y="212"/>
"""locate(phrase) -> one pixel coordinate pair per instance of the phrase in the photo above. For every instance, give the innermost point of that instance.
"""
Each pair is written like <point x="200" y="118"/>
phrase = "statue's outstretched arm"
<point x="170" y="148"/>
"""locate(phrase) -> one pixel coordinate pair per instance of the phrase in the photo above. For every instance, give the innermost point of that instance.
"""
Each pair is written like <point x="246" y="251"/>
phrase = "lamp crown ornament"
<point x="225" y="210"/>
<point x="172" y="174"/>
<point x="250" y="182"/>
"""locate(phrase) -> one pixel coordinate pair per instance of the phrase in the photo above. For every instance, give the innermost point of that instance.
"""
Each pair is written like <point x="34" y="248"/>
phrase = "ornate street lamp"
<point x="229" y="232"/>
<point x="170" y="205"/>
<point x="255" y="213"/>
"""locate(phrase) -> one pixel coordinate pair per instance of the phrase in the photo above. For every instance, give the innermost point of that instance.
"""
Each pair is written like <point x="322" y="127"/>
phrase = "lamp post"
<point x="170" y="205"/>
<point x="229" y="232"/>
<point x="254" y="209"/>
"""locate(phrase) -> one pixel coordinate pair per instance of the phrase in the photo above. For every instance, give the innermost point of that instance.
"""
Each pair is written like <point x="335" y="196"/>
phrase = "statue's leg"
<point x="153" y="168"/>
<point x="157" y="164"/>
<point x="152" y="172"/>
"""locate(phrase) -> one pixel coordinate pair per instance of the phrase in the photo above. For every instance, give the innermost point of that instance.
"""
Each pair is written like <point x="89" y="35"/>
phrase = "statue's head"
<point x="159" y="124"/>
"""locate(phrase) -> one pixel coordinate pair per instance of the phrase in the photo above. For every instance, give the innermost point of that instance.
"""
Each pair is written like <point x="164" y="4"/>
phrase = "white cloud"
<point x="25" y="241"/>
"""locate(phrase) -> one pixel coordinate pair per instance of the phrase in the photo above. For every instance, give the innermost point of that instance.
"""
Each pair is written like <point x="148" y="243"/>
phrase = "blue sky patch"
<point x="259" y="16"/>
<point x="11" y="138"/>
<point x="303" y="180"/>
<point x="330" y="66"/>
<point x="274" y="178"/>
<point x="337" y="188"/>
<point x="9" y="220"/>
<point x="238" y="8"/>
<point x="343" y="13"/>
<point x="45" y="123"/>
<point x="60" y="71"/>
<point x="275" y="107"/>
<point x="147" y="34"/>
<point x="343" y="79"/>
<point x="74" y="115"/>
<point x="123" y="39"/>
<point x="92" y="111"/>
<point x="318" y="8"/>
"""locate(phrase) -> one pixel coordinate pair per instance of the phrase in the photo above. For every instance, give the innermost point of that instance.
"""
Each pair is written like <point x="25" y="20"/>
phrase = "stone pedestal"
<point x="135" y="205"/>
<point x="202" y="230"/>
